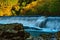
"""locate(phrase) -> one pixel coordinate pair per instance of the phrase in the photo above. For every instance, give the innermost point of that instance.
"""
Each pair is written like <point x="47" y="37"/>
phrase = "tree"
<point x="29" y="7"/>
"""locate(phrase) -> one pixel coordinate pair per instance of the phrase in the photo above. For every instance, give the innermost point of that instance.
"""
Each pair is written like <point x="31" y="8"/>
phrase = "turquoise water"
<point x="35" y="25"/>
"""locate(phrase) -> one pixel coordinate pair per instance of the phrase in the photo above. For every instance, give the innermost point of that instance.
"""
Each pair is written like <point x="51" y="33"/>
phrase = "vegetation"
<point x="29" y="7"/>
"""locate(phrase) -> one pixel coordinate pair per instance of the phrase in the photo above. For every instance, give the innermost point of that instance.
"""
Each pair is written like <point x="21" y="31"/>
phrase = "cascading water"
<point x="42" y="24"/>
<point x="53" y="23"/>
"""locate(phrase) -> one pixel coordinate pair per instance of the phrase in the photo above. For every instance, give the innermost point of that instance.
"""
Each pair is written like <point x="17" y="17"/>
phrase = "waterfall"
<point x="53" y="23"/>
<point x="41" y="22"/>
<point x="37" y="25"/>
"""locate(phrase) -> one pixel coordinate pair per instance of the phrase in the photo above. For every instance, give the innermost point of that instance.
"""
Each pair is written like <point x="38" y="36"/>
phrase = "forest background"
<point x="29" y="7"/>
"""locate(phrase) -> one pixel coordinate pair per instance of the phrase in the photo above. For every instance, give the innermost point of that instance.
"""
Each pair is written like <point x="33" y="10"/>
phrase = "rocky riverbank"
<point x="13" y="32"/>
<point x="16" y="32"/>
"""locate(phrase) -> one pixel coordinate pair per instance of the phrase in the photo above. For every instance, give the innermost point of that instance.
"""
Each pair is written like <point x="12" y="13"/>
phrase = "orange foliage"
<point x="32" y="5"/>
<point x="6" y="7"/>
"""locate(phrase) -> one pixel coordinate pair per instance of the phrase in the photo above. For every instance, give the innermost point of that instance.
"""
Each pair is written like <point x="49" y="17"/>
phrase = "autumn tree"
<point x="29" y="7"/>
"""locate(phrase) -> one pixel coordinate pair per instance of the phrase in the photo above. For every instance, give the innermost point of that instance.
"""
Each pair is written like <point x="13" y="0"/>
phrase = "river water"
<point x="37" y="25"/>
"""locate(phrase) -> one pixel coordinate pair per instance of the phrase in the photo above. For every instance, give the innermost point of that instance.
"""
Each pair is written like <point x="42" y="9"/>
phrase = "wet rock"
<point x="15" y="33"/>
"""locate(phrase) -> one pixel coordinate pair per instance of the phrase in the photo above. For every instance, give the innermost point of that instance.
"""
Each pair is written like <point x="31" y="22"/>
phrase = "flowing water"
<point x="37" y="25"/>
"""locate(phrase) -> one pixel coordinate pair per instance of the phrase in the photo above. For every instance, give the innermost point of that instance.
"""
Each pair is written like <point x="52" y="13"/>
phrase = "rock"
<point x="16" y="33"/>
